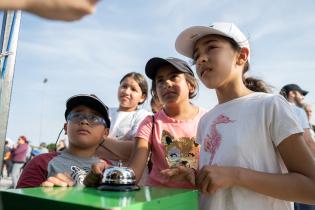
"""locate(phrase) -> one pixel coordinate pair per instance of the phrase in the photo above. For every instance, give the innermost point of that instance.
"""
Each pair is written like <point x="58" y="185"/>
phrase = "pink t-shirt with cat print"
<point x="173" y="143"/>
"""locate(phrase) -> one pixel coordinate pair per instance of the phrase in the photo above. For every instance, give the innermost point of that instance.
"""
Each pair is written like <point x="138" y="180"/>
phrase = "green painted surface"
<point x="91" y="199"/>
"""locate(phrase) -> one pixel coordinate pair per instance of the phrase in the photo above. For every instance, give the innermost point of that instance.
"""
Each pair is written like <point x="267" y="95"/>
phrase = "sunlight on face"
<point x="215" y="61"/>
<point x="130" y="95"/>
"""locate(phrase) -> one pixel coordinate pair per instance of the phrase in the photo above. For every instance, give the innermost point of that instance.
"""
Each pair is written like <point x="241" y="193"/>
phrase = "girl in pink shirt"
<point x="171" y="134"/>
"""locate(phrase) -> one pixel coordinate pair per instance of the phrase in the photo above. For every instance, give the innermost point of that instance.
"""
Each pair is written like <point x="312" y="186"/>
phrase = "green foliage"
<point x="51" y="147"/>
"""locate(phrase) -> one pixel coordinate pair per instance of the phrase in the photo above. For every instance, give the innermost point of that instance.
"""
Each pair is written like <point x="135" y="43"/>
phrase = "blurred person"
<point x="43" y="148"/>
<point x="309" y="113"/>
<point x="61" y="145"/>
<point x="67" y="10"/>
<point x="19" y="153"/>
<point x="38" y="150"/>
<point x="295" y="96"/>
<point x="7" y="161"/>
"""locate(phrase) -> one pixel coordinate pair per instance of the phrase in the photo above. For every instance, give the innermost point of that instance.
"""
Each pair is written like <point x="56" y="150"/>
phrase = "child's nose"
<point x="84" y="121"/>
<point x="202" y="59"/>
<point x="168" y="83"/>
<point x="127" y="91"/>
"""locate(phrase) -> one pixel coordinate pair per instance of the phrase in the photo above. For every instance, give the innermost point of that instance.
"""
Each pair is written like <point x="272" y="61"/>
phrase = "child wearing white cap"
<point x="247" y="137"/>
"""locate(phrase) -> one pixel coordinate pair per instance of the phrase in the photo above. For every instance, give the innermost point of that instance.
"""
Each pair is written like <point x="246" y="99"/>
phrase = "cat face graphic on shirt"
<point x="180" y="151"/>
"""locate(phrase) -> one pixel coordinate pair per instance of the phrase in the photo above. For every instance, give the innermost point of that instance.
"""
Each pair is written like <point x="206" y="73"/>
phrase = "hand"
<point x="67" y="10"/>
<point x="94" y="177"/>
<point x="60" y="179"/>
<point x="179" y="173"/>
<point x="212" y="178"/>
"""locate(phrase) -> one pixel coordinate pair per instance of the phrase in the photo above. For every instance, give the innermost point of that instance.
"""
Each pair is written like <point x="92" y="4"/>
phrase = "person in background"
<point x="295" y="96"/>
<point x="61" y="145"/>
<point x="67" y="10"/>
<point x="19" y="153"/>
<point x="309" y="113"/>
<point x="43" y="148"/>
<point x="40" y="150"/>
<point x="7" y="161"/>
<point x="248" y="136"/>
<point x="87" y="124"/>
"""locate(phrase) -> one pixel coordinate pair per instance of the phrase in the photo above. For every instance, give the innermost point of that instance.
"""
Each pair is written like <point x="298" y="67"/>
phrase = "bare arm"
<point x="297" y="185"/>
<point x="112" y="149"/>
<point x="67" y="10"/>
<point x="310" y="142"/>
<point x="139" y="157"/>
<point x="12" y="5"/>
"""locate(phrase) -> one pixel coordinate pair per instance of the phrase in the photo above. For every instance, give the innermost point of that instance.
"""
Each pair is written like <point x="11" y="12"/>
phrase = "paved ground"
<point x="5" y="182"/>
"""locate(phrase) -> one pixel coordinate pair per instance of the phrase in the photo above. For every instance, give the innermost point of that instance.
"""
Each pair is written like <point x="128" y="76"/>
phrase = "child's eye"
<point x="76" y="115"/>
<point x="195" y="57"/>
<point x="174" y="76"/>
<point x="211" y="48"/>
<point x="158" y="81"/>
<point x="93" y="118"/>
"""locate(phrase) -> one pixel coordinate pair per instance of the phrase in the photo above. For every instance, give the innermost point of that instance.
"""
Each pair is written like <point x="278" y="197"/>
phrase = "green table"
<point x="76" y="198"/>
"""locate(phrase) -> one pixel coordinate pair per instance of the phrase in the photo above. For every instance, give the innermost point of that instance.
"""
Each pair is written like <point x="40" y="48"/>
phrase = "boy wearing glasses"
<point x="87" y="124"/>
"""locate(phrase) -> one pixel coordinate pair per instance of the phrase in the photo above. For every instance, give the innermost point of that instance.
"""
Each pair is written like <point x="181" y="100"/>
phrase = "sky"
<point x="91" y="55"/>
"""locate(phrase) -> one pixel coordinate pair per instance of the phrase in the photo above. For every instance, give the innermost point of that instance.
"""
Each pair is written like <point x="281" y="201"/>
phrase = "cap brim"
<point x="304" y="92"/>
<point x="186" y="40"/>
<point x="155" y="63"/>
<point x="90" y="102"/>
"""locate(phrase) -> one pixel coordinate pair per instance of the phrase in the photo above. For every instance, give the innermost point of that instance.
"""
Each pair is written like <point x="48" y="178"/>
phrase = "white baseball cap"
<point x="186" y="40"/>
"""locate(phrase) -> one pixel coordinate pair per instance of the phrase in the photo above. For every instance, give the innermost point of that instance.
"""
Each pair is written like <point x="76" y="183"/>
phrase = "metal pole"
<point x="8" y="45"/>
<point x="42" y="111"/>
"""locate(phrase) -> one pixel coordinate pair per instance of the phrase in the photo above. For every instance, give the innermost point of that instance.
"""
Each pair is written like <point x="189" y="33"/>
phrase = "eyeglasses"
<point x="93" y="120"/>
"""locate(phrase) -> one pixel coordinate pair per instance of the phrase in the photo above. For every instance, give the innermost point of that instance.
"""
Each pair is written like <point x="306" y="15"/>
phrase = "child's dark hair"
<point x="189" y="78"/>
<point x="256" y="85"/>
<point x="140" y="79"/>
<point x="155" y="104"/>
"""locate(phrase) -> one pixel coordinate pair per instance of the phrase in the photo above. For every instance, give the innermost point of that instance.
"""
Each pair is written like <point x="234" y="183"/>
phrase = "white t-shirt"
<point x="125" y="124"/>
<point x="301" y="115"/>
<point x="245" y="132"/>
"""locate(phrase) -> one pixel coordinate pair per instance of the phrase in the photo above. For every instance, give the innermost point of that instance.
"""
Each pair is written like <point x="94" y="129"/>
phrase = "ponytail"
<point x="257" y="85"/>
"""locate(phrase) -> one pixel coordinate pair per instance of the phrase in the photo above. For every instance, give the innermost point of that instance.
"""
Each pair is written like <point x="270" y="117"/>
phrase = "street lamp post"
<point x="42" y="111"/>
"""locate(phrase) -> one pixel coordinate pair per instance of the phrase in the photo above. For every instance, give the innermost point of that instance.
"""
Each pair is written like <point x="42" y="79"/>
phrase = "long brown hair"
<point x="254" y="84"/>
